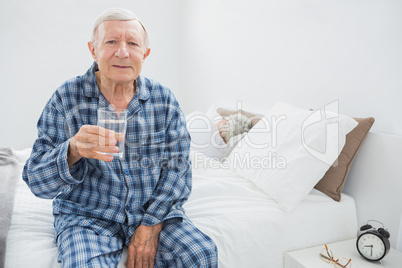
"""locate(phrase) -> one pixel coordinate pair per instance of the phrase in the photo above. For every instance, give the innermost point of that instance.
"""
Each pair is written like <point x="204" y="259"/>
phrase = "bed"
<point x="252" y="221"/>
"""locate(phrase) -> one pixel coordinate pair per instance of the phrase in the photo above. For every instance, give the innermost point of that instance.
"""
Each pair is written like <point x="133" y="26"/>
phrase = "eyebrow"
<point x="130" y="37"/>
<point x="133" y="37"/>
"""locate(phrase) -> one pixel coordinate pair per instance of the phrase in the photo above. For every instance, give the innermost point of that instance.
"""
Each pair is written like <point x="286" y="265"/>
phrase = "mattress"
<point x="248" y="227"/>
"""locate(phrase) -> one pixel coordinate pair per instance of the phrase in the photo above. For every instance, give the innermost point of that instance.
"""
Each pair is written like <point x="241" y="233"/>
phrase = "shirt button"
<point x="126" y="172"/>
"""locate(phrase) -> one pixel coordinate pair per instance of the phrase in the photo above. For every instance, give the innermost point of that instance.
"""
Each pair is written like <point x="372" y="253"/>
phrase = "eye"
<point x="110" y="42"/>
<point x="132" y="44"/>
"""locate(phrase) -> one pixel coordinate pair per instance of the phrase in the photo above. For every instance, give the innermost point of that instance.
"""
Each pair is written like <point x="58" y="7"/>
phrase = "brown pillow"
<point x="254" y="118"/>
<point x="334" y="180"/>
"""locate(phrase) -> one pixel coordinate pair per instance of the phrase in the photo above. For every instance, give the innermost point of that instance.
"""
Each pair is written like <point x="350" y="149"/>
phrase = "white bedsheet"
<point x="248" y="226"/>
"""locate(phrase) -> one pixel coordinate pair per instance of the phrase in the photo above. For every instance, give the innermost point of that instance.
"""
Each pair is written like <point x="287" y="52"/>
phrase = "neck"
<point x="119" y="95"/>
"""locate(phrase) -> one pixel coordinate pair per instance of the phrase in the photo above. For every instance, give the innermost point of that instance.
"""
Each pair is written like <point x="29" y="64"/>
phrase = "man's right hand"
<point x="89" y="142"/>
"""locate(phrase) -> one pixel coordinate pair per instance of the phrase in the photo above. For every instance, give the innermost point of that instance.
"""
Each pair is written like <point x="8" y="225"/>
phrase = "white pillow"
<point x="205" y="136"/>
<point x="22" y="155"/>
<point x="289" y="150"/>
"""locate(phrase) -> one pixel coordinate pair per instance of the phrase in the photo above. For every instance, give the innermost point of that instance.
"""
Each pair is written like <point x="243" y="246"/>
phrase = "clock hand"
<point x="370" y="246"/>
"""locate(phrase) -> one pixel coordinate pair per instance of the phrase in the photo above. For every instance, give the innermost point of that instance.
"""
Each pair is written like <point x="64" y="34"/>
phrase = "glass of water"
<point x="114" y="119"/>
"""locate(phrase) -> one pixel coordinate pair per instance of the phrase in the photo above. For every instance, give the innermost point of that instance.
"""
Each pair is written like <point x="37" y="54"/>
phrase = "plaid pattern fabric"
<point x="94" y="243"/>
<point x="147" y="186"/>
<point x="98" y="205"/>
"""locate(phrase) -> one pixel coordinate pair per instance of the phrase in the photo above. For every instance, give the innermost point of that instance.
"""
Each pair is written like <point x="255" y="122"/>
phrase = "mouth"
<point x="121" y="66"/>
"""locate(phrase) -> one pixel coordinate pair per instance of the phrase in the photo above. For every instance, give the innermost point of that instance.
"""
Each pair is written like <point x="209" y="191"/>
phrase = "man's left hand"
<point x="142" y="248"/>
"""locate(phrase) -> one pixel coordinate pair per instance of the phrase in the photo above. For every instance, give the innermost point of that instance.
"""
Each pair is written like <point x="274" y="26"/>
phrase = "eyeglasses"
<point x="327" y="256"/>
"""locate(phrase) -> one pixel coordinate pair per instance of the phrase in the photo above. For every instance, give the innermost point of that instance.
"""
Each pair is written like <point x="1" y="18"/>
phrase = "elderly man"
<point x="102" y="203"/>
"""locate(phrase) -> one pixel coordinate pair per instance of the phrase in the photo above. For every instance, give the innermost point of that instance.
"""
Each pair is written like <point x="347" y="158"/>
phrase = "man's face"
<point x="119" y="50"/>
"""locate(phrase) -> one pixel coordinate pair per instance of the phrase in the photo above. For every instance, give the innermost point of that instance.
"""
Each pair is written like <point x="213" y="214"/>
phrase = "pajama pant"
<point x="86" y="242"/>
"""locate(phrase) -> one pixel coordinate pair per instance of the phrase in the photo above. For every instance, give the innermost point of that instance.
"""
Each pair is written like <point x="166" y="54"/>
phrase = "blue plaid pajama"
<point x="94" y="243"/>
<point x="97" y="205"/>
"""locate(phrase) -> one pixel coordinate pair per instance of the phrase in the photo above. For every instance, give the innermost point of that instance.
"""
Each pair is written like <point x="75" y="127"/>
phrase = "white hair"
<point x="118" y="14"/>
<point x="236" y="124"/>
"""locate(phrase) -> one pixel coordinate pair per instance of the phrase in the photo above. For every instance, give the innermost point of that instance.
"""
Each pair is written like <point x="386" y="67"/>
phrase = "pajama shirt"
<point x="98" y="205"/>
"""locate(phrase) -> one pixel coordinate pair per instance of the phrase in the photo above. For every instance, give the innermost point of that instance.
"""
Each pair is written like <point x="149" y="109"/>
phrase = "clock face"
<point x="371" y="246"/>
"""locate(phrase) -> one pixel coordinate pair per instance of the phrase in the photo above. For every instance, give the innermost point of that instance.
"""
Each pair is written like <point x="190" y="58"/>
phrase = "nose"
<point x="122" y="50"/>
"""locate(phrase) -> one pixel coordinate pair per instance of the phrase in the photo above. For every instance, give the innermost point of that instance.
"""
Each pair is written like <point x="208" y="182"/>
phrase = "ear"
<point x="146" y="54"/>
<point x="91" y="48"/>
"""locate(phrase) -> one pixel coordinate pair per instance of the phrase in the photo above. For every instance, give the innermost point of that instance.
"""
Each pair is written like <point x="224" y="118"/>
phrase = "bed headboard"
<point x="375" y="181"/>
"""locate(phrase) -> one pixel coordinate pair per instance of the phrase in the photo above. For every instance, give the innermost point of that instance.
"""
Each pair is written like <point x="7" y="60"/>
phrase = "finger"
<point x="106" y="141"/>
<point x="98" y="155"/>
<point x="146" y="263"/>
<point x="119" y="136"/>
<point x="130" y="258"/>
<point x="138" y="262"/>
<point x="151" y="258"/>
<point x="108" y="133"/>
<point x="101" y="157"/>
<point x="152" y="262"/>
<point x="102" y="146"/>
<point x="92" y="129"/>
<point x="107" y="149"/>
<point x="104" y="132"/>
<point x="94" y="138"/>
<point x="98" y="136"/>
<point x="108" y="137"/>
<point x="90" y="141"/>
<point x="95" y="152"/>
<point x="101" y="137"/>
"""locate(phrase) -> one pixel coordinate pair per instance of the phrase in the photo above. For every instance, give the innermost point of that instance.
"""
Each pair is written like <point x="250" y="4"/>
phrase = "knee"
<point x="183" y="245"/>
<point x="206" y="255"/>
<point x="210" y="257"/>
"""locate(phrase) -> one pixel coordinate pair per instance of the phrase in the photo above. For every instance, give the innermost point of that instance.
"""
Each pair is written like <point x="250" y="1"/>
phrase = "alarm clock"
<point x="373" y="244"/>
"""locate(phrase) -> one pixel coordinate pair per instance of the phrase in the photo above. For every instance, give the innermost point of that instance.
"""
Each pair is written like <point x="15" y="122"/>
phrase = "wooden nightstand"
<point x="308" y="258"/>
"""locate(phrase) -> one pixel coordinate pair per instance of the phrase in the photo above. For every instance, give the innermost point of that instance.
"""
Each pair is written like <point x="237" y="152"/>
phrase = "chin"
<point x="124" y="78"/>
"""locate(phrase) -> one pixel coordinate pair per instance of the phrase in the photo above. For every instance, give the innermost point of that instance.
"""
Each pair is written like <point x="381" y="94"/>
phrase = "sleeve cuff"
<point x="76" y="173"/>
<point x="174" y="216"/>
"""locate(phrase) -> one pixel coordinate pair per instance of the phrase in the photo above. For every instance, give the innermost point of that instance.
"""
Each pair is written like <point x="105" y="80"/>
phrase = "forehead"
<point x="131" y="28"/>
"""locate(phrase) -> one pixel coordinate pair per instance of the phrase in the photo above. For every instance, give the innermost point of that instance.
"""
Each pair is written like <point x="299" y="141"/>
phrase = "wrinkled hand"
<point x="89" y="142"/>
<point x="143" y="245"/>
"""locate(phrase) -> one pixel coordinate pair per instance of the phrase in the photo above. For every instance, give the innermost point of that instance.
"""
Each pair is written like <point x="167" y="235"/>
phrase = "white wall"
<point x="44" y="42"/>
<point x="306" y="52"/>
<point x="375" y="183"/>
